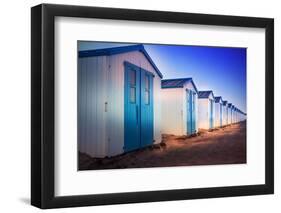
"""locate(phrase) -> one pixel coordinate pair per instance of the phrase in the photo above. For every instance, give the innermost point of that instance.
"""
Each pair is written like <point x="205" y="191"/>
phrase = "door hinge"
<point x="105" y="106"/>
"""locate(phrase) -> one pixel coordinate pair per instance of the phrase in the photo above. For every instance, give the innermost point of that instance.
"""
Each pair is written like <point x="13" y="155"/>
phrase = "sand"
<point x="225" y="145"/>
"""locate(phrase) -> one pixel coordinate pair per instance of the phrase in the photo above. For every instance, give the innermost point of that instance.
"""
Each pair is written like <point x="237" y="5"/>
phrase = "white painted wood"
<point x="189" y="86"/>
<point x="172" y="111"/>
<point x="232" y="115"/>
<point x="91" y="99"/>
<point x="218" y="115"/>
<point x="204" y="112"/>
<point x="174" y="106"/>
<point x="224" y="110"/>
<point x="101" y="102"/>
<point x="228" y="115"/>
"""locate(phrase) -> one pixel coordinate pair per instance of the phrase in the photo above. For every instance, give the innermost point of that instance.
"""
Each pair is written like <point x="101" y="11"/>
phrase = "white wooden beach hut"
<point x="119" y="100"/>
<point x="235" y="115"/>
<point x="179" y="106"/>
<point x="242" y="116"/>
<point x="206" y="112"/>
<point x="229" y="113"/>
<point x="239" y="115"/>
<point x="218" y="111"/>
<point x="224" y="112"/>
<point x="232" y="114"/>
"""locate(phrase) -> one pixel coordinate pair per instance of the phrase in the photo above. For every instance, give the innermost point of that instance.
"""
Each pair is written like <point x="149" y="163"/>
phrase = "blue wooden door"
<point x="146" y="108"/>
<point x="138" y="108"/>
<point x="190" y="112"/>
<point x="220" y="114"/>
<point x="132" y="108"/>
<point x="193" y="113"/>
<point x="211" y="114"/>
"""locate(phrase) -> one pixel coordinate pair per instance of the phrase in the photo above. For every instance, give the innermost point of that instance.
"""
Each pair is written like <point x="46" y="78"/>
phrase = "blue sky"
<point x="221" y="69"/>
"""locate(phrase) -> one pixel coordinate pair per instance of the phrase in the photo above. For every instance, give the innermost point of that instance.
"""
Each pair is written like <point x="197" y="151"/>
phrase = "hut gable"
<point x="206" y="94"/>
<point x="178" y="83"/>
<point x="218" y="99"/>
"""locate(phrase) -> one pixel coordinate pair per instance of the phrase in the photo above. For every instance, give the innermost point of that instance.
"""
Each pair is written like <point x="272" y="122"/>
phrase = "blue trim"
<point x="211" y="118"/>
<point x="147" y="116"/>
<point x="220" y="115"/>
<point x="175" y="79"/>
<point x="131" y="111"/>
<point x="109" y="51"/>
<point x="170" y="87"/>
<point x="151" y="62"/>
<point x="190" y="112"/>
<point x="138" y="116"/>
<point x="119" y="50"/>
<point x="194" y="86"/>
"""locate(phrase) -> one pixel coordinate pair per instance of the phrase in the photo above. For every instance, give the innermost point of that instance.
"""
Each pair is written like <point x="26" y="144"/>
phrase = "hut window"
<point x="133" y="94"/>
<point x="146" y="82"/>
<point x="133" y="77"/>
<point x="133" y="86"/>
<point x="146" y="97"/>
<point x="147" y="89"/>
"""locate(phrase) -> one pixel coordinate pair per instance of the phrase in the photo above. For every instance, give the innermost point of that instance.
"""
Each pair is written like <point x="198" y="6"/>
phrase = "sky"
<point x="220" y="69"/>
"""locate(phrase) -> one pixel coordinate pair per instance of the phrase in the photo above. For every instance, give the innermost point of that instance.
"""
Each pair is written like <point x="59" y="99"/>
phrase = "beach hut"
<point x="242" y="116"/>
<point x="179" y="106"/>
<point x="238" y="115"/>
<point x="119" y="100"/>
<point x="218" y="111"/>
<point x="206" y="111"/>
<point x="224" y="112"/>
<point x="232" y="114"/>
<point x="235" y="115"/>
<point x="229" y="113"/>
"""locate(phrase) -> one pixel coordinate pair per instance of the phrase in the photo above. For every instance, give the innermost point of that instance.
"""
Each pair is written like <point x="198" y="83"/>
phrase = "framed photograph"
<point x="136" y="106"/>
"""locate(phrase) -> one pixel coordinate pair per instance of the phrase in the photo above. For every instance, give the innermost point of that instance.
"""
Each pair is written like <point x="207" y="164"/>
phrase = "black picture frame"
<point x="43" y="101"/>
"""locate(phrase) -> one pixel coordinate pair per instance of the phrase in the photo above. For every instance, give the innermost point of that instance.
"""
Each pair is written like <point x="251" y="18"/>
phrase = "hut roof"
<point x="218" y="99"/>
<point x="119" y="50"/>
<point x="205" y="94"/>
<point x="177" y="83"/>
